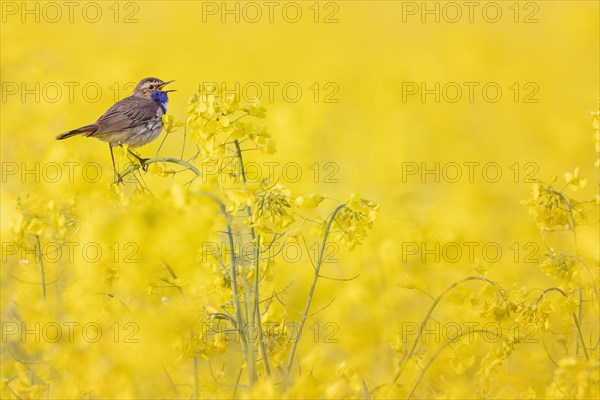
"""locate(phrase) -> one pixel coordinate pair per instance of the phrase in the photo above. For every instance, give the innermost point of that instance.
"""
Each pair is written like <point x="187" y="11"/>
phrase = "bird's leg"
<point x="141" y="160"/>
<point x="118" y="178"/>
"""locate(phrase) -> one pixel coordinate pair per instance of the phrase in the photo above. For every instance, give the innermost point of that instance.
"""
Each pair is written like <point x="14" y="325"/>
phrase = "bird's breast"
<point x="163" y="105"/>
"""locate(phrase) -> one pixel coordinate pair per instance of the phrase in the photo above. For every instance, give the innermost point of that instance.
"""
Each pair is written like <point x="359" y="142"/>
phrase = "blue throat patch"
<point x="161" y="98"/>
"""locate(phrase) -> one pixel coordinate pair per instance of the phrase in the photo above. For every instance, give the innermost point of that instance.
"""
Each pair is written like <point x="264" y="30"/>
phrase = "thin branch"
<point x="409" y="354"/>
<point x="38" y="251"/>
<point x="313" y="287"/>
<point x="153" y="160"/>
<point x="437" y="353"/>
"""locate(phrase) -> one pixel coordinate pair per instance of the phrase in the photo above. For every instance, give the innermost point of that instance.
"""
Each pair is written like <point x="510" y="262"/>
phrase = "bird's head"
<point x="148" y="86"/>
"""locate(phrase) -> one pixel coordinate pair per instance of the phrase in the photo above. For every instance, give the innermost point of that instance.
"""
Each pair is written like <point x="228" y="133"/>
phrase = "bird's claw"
<point x="143" y="161"/>
<point x="144" y="164"/>
<point x="118" y="178"/>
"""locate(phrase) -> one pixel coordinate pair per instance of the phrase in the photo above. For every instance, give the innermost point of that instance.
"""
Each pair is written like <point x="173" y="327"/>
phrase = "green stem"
<point x="254" y="314"/>
<point x="232" y="270"/>
<point x="261" y="338"/>
<point x="409" y="354"/>
<point x="38" y="250"/>
<point x="573" y="315"/>
<point x="579" y="316"/>
<point x="196" y="382"/>
<point x="234" y="286"/>
<point x="437" y="353"/>
<point x="580" y="336"/>
<point x="251" y="296"/>
<point x="238" y="150"/>
<point x="131" y="169"/>
<point x="237" y="383"/>
<point x="313" y="286"/>
<point x="263" y="347"/>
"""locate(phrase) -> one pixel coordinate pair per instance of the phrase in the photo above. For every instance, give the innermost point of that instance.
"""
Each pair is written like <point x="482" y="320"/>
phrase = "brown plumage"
<point x="134" y="121"/>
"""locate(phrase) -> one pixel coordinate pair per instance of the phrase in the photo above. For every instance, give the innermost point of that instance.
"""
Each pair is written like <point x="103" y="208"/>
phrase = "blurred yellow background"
<point x="361" y="123"/>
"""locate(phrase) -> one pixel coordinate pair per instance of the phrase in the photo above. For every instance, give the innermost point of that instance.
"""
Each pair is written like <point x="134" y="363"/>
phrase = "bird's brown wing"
<point x="127" y="113"/>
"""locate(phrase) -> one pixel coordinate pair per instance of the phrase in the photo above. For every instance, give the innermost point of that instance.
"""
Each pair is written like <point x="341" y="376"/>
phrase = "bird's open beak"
<point x="165" y="84"/>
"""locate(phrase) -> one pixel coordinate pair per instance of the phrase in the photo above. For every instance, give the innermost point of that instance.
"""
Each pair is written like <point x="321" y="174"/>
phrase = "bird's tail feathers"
<point x="88" y="129"/>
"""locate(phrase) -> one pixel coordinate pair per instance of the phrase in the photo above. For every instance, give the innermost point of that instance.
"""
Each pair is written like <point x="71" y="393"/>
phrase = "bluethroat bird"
<point x="135" y="121"/>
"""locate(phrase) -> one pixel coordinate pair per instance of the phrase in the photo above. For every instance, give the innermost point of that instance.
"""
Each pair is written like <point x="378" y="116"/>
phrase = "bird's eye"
<point x="151" y="87"/>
